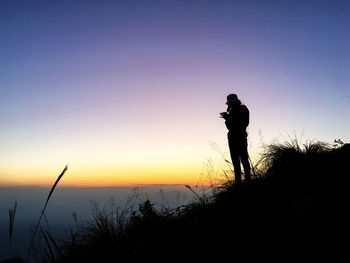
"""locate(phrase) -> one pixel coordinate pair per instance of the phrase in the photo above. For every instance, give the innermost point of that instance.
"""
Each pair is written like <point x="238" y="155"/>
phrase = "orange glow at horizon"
<point x="137" y="176"/>
<point x="108" y="162"/>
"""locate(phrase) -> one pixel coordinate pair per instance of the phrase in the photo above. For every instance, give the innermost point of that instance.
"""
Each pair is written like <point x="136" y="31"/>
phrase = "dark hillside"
<point x="296" y="209"/>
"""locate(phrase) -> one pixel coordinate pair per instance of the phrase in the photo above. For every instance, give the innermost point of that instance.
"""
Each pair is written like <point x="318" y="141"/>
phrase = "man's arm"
<point x="223" y="115"/>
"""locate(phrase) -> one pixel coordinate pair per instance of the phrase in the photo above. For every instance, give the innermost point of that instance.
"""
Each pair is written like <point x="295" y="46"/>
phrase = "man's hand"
<point x="223" y="115"/>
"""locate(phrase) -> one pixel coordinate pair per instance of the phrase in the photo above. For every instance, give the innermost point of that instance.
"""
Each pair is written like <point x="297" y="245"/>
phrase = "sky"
<point x="129" y="92"/>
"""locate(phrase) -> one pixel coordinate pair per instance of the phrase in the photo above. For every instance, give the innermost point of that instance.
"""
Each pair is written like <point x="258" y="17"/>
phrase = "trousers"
<point x="239" y="154"/>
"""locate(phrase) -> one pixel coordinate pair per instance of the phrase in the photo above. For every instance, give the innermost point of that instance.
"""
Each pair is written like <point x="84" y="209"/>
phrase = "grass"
<point x="296" y="208"/>
<point x="47" y="237"/>
<point x="12" y="214"/>
<point x="43" y="213"/>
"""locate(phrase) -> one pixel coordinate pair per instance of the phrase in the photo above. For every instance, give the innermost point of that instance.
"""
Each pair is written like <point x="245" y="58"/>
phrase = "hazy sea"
<point x="65" y="201"/>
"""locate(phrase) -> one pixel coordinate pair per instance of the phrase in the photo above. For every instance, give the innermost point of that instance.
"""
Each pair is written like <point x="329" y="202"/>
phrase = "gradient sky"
<point x="129" y="92"/>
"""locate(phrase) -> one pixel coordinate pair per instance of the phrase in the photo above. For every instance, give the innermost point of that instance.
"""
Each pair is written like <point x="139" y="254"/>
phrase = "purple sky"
<point x="131" y="90"/>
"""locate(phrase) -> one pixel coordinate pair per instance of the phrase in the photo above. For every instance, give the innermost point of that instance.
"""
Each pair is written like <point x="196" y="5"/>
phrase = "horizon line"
<point x="100" y="186"/>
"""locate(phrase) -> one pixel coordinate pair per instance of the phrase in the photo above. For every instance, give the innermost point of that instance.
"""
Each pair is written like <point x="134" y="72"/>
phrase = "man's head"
<point x="232" y="100"/>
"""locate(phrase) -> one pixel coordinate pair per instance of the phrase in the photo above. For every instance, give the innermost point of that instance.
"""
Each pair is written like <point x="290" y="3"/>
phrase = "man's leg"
<point x="237" y="167"/>
<point x="245" y="159"/>
<point x="234" y="147"/>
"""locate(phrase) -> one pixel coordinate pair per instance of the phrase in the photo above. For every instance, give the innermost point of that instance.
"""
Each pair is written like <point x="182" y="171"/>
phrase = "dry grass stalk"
<point x="43" y="210"/>
<point x="12" y="214"/>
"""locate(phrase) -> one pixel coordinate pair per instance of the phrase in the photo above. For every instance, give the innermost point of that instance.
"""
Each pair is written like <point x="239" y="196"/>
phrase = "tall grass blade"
<point x="190" y="188"/>
<point x="49" y="251"/>
<point x="12" y="214"/>
<point x="43" y="210"/>
<point x="47" y="233"/>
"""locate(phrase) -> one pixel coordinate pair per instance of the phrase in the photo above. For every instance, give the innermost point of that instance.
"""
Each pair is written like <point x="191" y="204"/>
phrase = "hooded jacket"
<point x="237" y="122"/>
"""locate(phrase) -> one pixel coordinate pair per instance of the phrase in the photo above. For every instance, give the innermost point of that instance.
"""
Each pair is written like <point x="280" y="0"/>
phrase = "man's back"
<point x="237" y="121"/>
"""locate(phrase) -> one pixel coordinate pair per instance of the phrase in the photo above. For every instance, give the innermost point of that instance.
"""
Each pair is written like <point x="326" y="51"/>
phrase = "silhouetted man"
<point x="237" y="120"/>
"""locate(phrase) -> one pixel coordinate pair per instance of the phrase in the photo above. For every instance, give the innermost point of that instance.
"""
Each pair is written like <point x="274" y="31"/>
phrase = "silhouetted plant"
<point x="12" y="214"/>
<point x="43" y="211"/>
